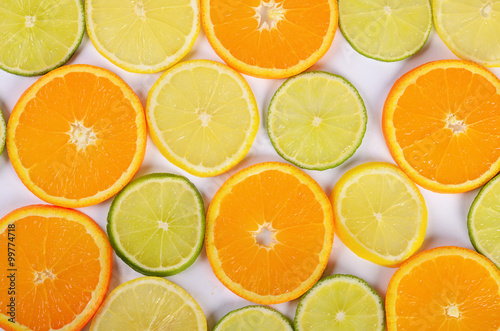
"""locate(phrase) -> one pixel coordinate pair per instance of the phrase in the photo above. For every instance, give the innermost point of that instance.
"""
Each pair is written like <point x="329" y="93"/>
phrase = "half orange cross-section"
<point x="56" y="264"/>
<point x="269" y="233"/>
<point x="77" y="136"/>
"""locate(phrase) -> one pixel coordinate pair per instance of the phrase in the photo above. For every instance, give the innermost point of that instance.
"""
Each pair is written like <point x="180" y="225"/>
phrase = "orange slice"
<point x="446" y="288"/>
<point x="269" y="233"/>
<point x="77" y="136"/>
<point x="270" y="38"/>
<point x="441" y="122"/>
<point x="56" y="266"/>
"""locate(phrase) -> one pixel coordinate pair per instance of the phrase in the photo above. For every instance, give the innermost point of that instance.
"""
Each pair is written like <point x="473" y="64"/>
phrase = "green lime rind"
<point x="3" y="132"/>
<point x="49" y="41"/>
<point x="348" y="34"/>
<point x="364" y="298"/>
<point x="273" y="115"/>
<point x="482" y="221"/>
<point x="254" y="318"/>
<point x="145" y="229"/>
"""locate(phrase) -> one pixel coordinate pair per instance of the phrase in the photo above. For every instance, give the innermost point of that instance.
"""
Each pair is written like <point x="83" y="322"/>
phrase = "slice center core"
<point x="269" y="14"/>
<point x="486" y="10"/>
<point x="139" y="10"/>
<point x="452" y="311"/>
<point x="455" y="125"/>
<point x="388" y="10"/>
<point x="41" y="276"/>
<point x="340" y="316"/>
<point x="81" y="136"/>
<point x="265" y="236"/>
<point x="30" y="21"/>
<point x="317" y="121"/>
<point x="205" y="119"/>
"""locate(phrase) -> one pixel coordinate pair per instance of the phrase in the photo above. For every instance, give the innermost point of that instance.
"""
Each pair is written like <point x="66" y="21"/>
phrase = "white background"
<point x="373" y="79"/>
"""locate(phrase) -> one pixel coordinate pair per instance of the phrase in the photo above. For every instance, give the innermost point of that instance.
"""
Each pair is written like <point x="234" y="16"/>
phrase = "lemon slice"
<point x="386" y="30"/>
<point x="379" y="213"/>
<point x="316" y="120"/>
<point x="149" y="303"/>
<point x="483" y="221"/>
<point x="37" y="36"/>
<point x="340" y="303"/>
<point x="470" y="29"/>
<point x="252" y="318"/>
<point x="143" y="36"/>
<point x="202" y="116"/>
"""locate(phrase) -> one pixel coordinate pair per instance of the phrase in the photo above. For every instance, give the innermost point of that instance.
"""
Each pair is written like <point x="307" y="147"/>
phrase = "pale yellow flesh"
<point x="254" y="318"/>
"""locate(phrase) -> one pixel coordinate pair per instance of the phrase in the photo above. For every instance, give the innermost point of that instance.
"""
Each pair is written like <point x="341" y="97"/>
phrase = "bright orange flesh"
<point x="446" y="288"/>
<point x="289" y="203"/>
<point x="275" y="38"/>
<point x="442" y="125"/>
<point x="77" y="136"/>
<point x="62" y="264"/>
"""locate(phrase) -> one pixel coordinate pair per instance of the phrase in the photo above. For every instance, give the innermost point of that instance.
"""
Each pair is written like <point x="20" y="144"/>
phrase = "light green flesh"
<point x="340" y="304"/>
<point x="148" y="307"/>
<point x="192" y="96"/>
<point x="144" y="32"/>
<point x="56" y="32"/>
<point x="484" y="222"/>
<point x="471" y="28"/>
<point x="386" y="195"/>
<point x="387" y="30"/>
<point x="316" y="121"/>
<point x="254" y="319"/>
<point x="3" y="132"/>
<point x="158" y="224"/>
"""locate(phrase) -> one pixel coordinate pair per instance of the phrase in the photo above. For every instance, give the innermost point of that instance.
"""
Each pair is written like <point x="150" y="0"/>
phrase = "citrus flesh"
<point x="470" y="29"/>
<point x="39" y="35"/>
<point x="202" y="116"/>
<point x="252" y="318"/>
<point x="379" y="213"/>
<point x="325" y="111"/>
<point x="338" y="303"/>
<point x="156" y="224"/>
<point x="440" y="123"/>
<point x="143" y="36"/>
<point x="77" y="136"/>
<point x="446" y="288"/>
<point x="483" y="222"/>
<point x="149" y="303"/>
<point x="61" y="261"/>
<point x="270" y="39"/>
<point x="254" y="223"/>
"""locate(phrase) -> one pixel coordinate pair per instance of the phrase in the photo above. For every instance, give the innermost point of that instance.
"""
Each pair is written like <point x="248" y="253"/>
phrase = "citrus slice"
<point x="316" y="120"/>
<point x="77" y="136"/>
<point x="379" y="213"/>
<point x="55" y="266"/>
<point x="441" y="124"/>
<point x="270" y="38"/>
<point x="202" y="116"/>
<point x="156" y="224"/>
<point x="149" y="303"/>
<point x="143" y="36"/>
<point x="3" y="131"/>
<point x="269" y="233"/>
<point x="446" y="288"/>
<point x="470" y="28"/>
<point x="37" y="36"/>
<point x="253" y="318"/>
<point x="386" y="30"/>
<point x="483" y="221"/>
<point x="338" y="303"/>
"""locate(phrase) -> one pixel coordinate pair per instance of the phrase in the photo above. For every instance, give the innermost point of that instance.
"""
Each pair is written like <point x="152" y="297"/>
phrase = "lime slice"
<point x="37" y="36"/>
<point x="149" y="303"/>
<point x="338" y="303"/>
<point x="316" y="120"/>
<point x="386" y="30"/>
<point x="143" y="36"/>
<point x="483" y="224"/>
<point x="156" y="224"/>
<point x="470" y="28"/>
<point x="3" y="130"/>
<point x="253" y="318"/>
<point x="202" y="117"/>
<point x="379" y="213"/>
